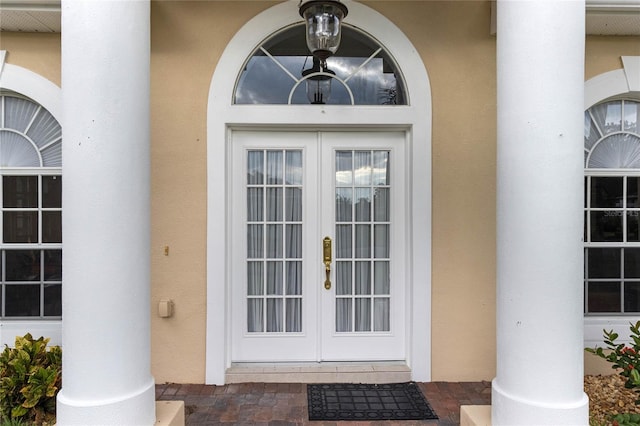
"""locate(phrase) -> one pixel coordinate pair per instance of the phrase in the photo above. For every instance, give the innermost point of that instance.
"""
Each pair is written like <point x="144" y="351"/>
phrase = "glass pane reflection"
<point x="369" y="71"/>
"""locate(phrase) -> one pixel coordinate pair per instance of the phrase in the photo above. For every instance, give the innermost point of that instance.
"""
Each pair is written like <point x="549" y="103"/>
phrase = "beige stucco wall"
<point x="459" y="54"/>
<point x="453" y="39"/>
<point x="36" y="52"/>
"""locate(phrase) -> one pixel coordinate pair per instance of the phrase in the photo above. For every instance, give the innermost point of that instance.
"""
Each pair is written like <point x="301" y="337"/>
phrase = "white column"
<point x="106" y="376"/>
<point x="540" y="77"/>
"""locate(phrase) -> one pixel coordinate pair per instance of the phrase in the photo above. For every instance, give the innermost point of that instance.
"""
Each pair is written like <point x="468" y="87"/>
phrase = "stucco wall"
<point x="36" y="52"/>
<point x="459" y="54"/>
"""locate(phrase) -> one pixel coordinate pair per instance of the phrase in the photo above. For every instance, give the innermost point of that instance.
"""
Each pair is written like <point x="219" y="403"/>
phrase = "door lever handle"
<point x="326" y="257"/>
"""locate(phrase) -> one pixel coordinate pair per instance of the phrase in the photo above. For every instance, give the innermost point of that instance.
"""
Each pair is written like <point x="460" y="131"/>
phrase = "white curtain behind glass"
<point x="611" y="136"/>
<point x="274" y="241"/>
<point x="362" y="211"/>
<point x="29" y="135"/>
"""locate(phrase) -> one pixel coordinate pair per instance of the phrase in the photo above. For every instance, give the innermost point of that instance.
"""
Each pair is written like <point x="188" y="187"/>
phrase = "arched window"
<point x="31" y="206"/>
<point x="612" y="207"/>
<point x="364" y="72"/>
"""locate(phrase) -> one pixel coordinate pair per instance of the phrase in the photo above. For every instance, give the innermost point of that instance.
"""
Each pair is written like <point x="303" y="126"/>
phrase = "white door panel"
<point x="289" y="190"/>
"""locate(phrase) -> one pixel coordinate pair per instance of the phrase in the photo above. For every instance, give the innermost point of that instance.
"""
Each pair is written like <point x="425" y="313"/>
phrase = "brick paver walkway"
<point x="282" y="404"/>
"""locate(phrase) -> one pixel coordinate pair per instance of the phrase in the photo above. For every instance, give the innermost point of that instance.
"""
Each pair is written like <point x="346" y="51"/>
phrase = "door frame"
<point x="318" y="341"/>
<point x="414" y="119"/>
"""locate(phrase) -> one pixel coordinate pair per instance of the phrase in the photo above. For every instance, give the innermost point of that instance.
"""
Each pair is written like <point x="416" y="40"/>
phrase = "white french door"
<point x="318" y="246"/>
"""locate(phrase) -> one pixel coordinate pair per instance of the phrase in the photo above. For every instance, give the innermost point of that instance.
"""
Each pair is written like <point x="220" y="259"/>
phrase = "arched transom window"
<point x="612" y="207"/>
<point x="31" y="208"/>
<point x="361" y="73"/>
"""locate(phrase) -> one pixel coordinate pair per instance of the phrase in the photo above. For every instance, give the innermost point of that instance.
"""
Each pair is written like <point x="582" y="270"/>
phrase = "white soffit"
<point x="609" y="17"/>
<point x="40" y="16"/>
<point x="604" y="17"/>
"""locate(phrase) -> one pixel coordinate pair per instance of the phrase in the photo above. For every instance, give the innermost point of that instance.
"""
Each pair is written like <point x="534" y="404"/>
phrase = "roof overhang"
<point x="604" y="17"/>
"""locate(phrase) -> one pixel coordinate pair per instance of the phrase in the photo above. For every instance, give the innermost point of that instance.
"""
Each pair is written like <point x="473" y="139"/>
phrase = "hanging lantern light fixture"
<point x="323" y="20"/>
<point x="318" y="83"/>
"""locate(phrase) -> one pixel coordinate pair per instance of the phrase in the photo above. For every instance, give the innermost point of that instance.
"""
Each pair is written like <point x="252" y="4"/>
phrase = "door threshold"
<point x="319" y="372"/>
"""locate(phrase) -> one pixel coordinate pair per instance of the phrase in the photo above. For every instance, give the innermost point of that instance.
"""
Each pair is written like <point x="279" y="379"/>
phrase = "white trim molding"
<point x="34" y="86"/>
<point x="415" y="119"/>
<point x="613" y="83"/>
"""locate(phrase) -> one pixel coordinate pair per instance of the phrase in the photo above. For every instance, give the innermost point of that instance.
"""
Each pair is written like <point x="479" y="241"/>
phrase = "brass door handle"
<point x="326" y="257"/>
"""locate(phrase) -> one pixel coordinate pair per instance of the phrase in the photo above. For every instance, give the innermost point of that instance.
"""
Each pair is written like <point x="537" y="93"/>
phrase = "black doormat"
<point x="345" y="401"/>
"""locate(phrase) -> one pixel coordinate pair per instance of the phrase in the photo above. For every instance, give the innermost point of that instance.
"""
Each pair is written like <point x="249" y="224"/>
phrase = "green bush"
<point x="624" y="358"/>
<point x="626" y="420"/>
<point x="30" y="377"/>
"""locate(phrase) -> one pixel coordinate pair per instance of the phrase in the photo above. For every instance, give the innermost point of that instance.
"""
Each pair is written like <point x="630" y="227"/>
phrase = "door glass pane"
<point x="254" y="241"/>
<point x="294" y="241"/>
<point x="274" y="278"/>
<point x="343" y="242"/>
<point x="274" y="167"/>
<point x="381" y="314"/>
<point x="293" y="205"/>
<point x="255" y="280"/>
<point x="381" y="204"/>
<point x="344" y="201"/>
<point x="343" y="315"/>
<point x="294" y="278"/>
<point x="274" y="239"/>
<point x="254" y="204"/>
<point x="363" y="204"/>
<point x="274" y="204"/>
<point x="381" y="277"/>
<point x="381" y="168"/>
<point x="293" y="171"/>
<point x="274" y="315"/>
<point x="344" y="168"/>
<point x="381" y="241"/>
<point x="363" y="241"/>
<point x="371" y="204"/>
<point x="255" y="315"/>
<point x="363" y="278"/>
<point x="255" y="167"/>
<point x="294" y="315"/>
<point x="343" y="278"/>
<point x="363" y="314"/>
<point x="362" y="167"/>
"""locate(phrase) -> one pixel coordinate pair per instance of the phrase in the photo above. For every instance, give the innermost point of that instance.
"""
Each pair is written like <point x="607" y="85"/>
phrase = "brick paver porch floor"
<point x="280" y="404"/>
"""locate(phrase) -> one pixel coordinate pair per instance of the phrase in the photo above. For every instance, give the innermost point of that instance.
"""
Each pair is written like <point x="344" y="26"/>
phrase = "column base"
<point x="507" y="409"/>
<point x="137" y="408"/>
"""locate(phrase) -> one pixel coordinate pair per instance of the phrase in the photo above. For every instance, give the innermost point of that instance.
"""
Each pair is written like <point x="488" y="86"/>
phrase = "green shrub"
<point x="624" y="358"/>
<point x="30" y="377"/>
<point x="626" y="420"/>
